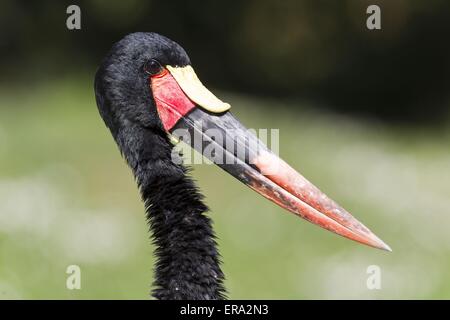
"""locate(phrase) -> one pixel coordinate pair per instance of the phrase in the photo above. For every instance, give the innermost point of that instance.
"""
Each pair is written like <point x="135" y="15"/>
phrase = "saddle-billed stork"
<point x="146" y="92"/>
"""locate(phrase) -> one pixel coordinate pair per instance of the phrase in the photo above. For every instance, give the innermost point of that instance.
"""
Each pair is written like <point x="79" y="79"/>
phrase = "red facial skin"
<point x="171" y="102"/>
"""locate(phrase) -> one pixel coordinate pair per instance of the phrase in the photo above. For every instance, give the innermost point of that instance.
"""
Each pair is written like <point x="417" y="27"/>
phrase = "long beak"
<point x="193" y="114"/>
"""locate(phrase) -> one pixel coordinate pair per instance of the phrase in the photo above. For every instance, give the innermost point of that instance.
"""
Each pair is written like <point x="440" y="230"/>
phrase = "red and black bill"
<point x="193" y="114"/>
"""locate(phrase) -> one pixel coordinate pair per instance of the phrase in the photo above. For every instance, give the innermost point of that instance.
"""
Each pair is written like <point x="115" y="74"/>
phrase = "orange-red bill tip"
<point x="289" y="189"/>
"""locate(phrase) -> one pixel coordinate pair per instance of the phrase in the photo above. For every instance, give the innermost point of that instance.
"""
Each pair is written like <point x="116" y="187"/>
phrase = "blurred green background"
<point x="362" y="114"/>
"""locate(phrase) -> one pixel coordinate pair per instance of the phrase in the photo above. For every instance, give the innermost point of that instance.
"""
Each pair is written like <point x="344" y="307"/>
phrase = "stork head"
<point x="147" y="81"/>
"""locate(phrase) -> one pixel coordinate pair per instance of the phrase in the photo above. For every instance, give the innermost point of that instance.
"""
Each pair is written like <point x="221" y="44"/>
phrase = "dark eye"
<point x="152" y="67"/>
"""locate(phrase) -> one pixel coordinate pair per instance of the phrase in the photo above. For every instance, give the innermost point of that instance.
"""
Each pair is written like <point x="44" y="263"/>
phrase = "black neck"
<point x="187" y="264"/>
